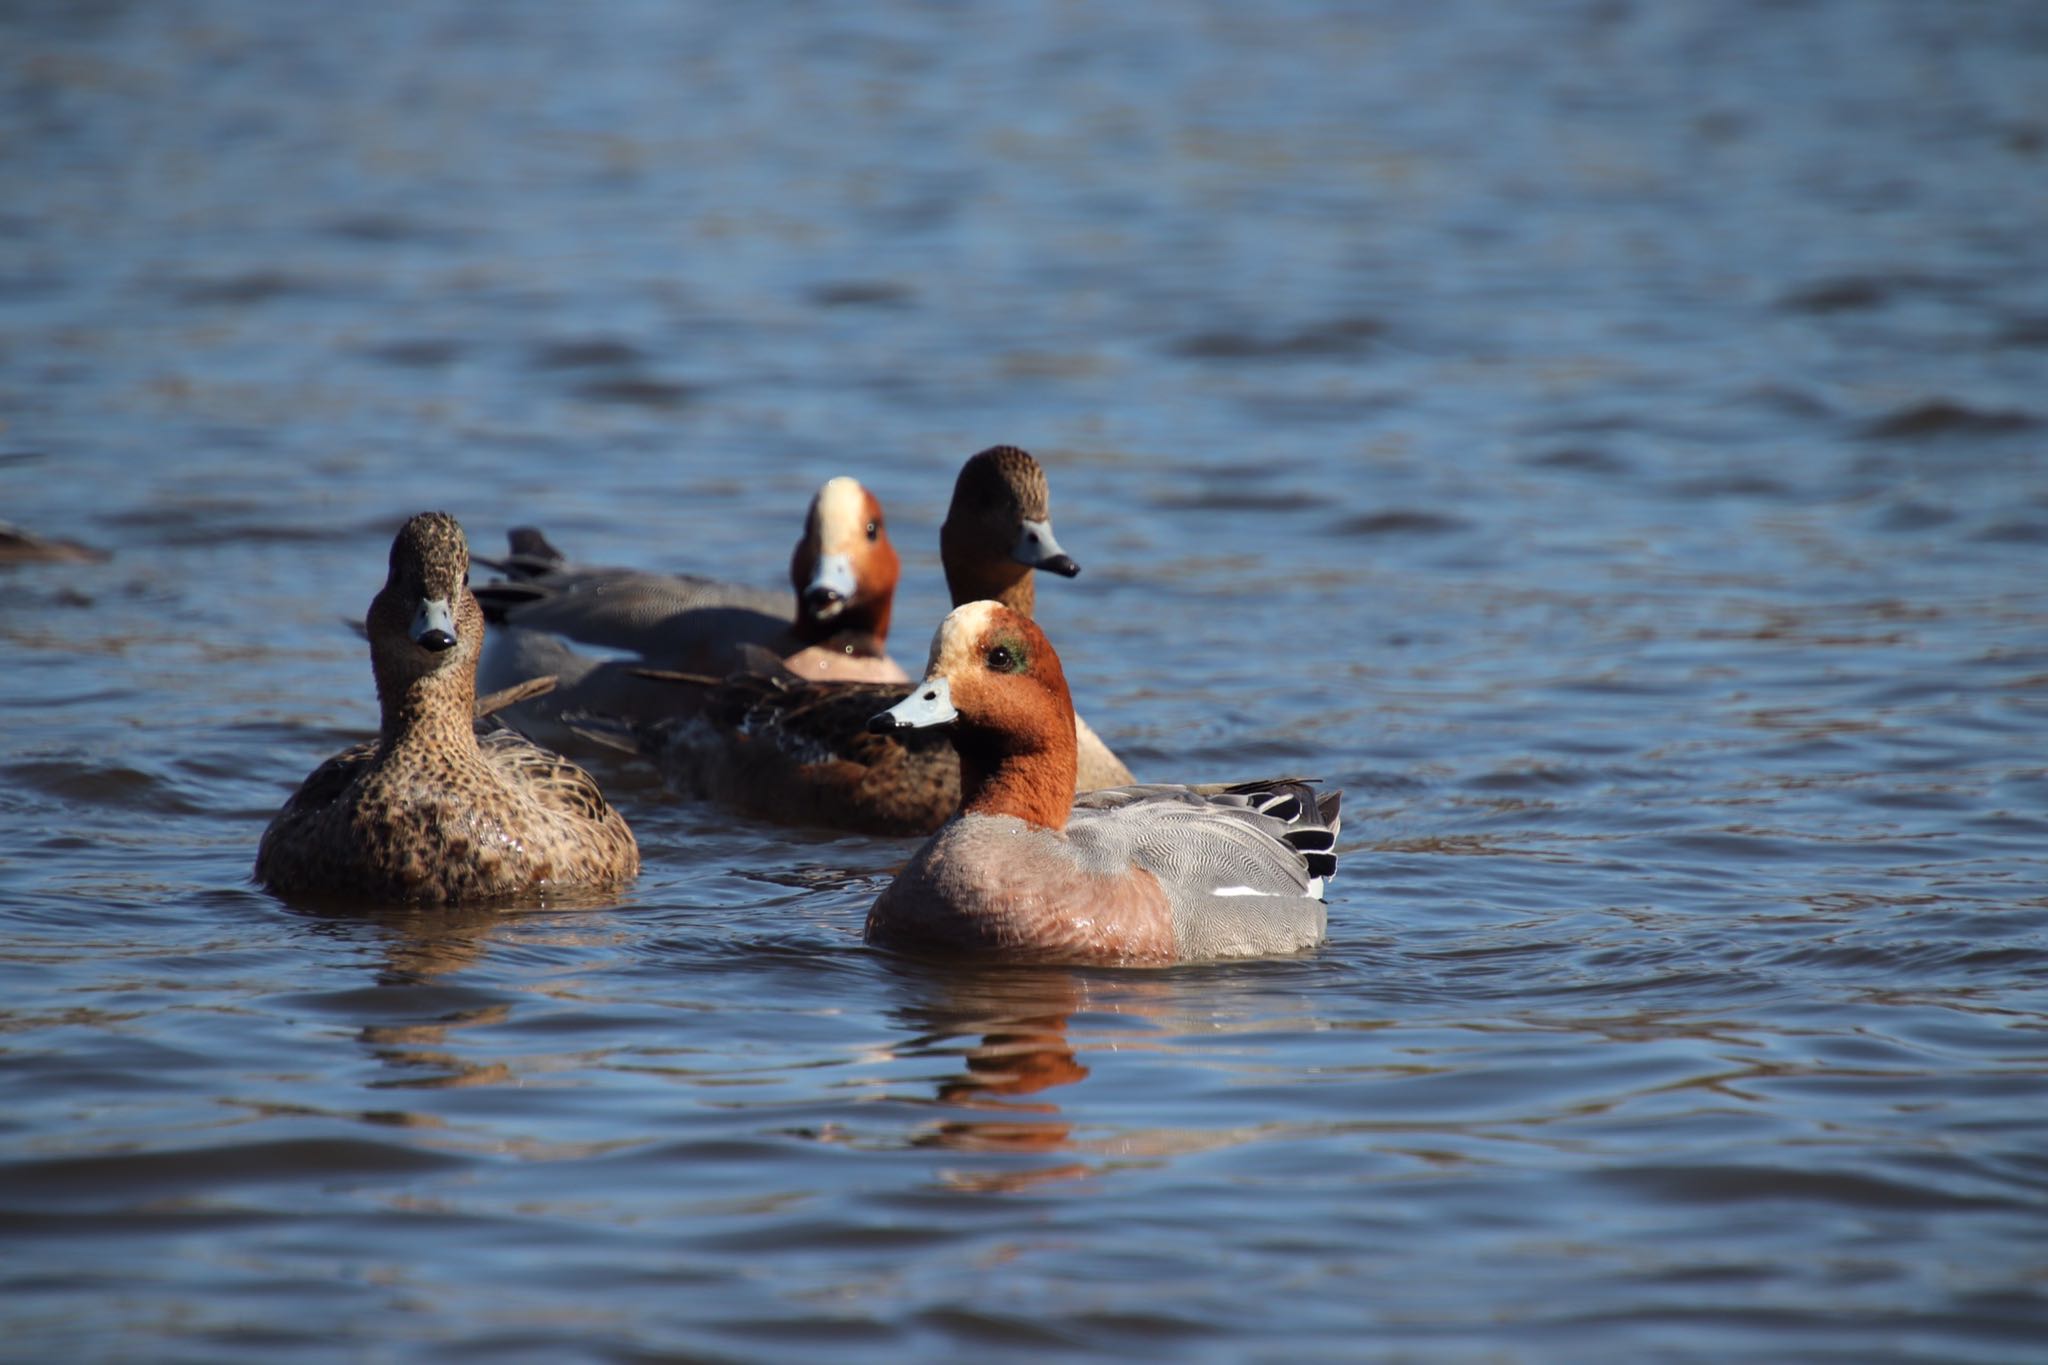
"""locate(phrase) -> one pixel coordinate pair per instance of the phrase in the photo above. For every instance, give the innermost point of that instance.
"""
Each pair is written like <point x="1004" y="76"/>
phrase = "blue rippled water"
<point x="1609" y="440"/>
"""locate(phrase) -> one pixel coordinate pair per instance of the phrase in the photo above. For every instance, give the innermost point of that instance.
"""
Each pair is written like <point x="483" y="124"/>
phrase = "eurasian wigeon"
<point x="843" y="572"/>
<point x="1141" y="876"/>
<point x="798" y="750"/>
<point x="430" y="810"/>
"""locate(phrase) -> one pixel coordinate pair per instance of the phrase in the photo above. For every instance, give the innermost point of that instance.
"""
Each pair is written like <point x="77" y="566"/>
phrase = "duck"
<point x="1025" y="870"/>
<point x="799" y="750"/>
<point x="446" y="805"/>
<point x="552" y="614"/>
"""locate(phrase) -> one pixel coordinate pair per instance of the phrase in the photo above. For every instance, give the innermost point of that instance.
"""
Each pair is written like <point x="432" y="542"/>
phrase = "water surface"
<point x="1608" y="440"/>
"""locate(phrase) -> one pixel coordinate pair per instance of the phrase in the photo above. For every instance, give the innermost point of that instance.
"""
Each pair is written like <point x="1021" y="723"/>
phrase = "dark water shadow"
<point x="863" y="294"/>
<point x="1945" y="417"/>
<point x="1333" y="338"/>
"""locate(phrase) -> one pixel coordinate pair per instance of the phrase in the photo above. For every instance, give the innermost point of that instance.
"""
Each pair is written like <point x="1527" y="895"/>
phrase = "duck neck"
<point x="972" y="579"/>
<point x="1035" y="784"/>
<point x="862" y="622"/>
<point x="437" y="708"/>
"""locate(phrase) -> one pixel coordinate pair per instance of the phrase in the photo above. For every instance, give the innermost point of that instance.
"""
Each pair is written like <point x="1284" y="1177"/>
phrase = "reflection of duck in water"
<point x="425" y="988"/>
<point x="1018" y="1023"/>
<point x="1021" y="1019"/>
<point x="1022" y="1033"/>
<point x="429" y="811"/>
<point x="422" y="945"/>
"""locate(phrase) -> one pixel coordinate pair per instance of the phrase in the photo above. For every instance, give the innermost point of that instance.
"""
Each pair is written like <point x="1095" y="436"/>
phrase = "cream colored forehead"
<point x="842" y="511"/>
<point x="955" y="642"/>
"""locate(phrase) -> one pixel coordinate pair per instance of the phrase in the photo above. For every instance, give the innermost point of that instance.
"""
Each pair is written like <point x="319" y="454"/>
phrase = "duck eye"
<point x="1001" y="659"/>
<point x="874" y="529"/>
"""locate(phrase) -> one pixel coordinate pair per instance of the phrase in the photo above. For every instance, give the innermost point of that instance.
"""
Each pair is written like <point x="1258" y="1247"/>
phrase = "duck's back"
<point x="561" y="622"/>
<point x="668" y="620"/>
<point x="1242" y="866"/>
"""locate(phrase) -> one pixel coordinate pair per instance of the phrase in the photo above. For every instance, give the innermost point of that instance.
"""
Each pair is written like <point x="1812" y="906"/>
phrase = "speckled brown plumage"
<point x="790" y="749"/>
<point x="430" y="810"/>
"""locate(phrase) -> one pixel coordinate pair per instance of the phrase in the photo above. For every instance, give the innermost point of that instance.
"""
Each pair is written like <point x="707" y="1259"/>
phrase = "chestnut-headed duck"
<point x="552" y="614"/>
<point x="1140" y="876"/>
<point x="432" y="810"/>
<point x="793" y="749"/>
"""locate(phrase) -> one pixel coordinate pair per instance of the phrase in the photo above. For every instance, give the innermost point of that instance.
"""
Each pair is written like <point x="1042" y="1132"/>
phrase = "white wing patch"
<point x="1313" y="891"/>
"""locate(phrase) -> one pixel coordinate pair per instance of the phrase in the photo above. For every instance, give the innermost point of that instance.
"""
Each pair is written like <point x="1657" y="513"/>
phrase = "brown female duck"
<point x="430" y="810"/>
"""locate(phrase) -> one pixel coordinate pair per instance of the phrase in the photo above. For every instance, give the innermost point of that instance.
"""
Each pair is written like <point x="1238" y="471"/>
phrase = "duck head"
<point x="844" y="569"/>
<point x="995" y="681"/>
<point x="425" y="627"/>
<point x="999" y="528"/>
